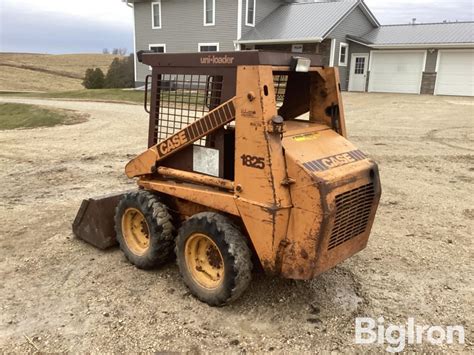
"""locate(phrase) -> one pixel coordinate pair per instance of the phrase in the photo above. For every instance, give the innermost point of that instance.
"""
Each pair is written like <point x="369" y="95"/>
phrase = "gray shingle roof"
<point x="300" y="21"/>
<point x="439" y="33"/>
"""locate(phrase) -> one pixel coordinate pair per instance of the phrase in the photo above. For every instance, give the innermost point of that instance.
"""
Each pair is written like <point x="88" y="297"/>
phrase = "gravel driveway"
<point x="60" y="294"/>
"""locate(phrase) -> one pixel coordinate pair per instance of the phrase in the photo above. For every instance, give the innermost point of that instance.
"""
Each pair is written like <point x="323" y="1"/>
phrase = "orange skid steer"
<point x="248" y="162"/>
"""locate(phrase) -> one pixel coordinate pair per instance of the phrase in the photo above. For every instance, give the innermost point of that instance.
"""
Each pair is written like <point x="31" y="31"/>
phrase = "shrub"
<point x="120" y="73"/>
<point x="94" y="79"/>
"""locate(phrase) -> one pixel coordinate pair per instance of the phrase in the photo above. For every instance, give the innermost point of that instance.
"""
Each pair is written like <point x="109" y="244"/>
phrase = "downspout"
<point x="332" y="57"/>
<point x="134" y="43"/>
<point x="239" y="24"/>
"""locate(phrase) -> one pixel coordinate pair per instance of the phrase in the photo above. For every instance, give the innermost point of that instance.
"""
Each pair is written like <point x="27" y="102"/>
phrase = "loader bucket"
<point x="94" y="222"/>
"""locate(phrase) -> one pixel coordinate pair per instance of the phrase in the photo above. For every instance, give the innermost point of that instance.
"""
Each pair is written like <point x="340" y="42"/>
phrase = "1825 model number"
<point x="253" y="161"/>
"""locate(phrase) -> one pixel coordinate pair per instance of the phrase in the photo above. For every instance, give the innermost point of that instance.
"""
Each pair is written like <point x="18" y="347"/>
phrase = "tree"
<point x="120" y="73"/>
<point x="94" y="79"/>
<point x="105" y="51"/>
<point x="119" y="51"/>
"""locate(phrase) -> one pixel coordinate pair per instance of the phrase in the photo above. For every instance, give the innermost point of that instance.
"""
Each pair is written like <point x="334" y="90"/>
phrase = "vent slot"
<point x="352" y="214"/>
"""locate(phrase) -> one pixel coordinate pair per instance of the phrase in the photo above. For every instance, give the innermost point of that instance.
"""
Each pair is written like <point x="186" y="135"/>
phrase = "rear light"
<point x="300" y="64"/>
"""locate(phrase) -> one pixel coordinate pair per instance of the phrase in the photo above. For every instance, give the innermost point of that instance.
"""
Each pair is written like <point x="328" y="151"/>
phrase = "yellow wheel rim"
<point x="135" y="231"/>
<point x="204" y="261"/>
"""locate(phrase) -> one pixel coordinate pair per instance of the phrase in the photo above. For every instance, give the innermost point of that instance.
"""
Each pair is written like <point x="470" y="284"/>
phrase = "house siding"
<point x="323" y="49"/>
<point x="263" y="7"/>
<point x="356" y="24"/>
<point x="182" y="28"/>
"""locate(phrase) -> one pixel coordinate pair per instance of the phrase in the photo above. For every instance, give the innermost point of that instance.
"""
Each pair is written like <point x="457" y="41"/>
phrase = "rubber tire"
<point x="160" y="224"/>
<point x="235" y="252"/>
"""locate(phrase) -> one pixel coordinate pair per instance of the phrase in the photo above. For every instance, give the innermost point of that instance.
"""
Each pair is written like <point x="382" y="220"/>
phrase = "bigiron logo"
<point x="213" y="59"/>
<point x="398" y="336"/>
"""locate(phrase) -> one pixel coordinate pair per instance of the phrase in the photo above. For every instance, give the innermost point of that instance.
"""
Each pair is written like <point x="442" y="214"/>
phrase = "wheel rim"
<point x="135" y="231"/>
<point x="204" y="261"/>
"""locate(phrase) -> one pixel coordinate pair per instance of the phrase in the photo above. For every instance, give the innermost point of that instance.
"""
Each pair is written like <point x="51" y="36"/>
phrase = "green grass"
<point x="14" y="116"/>
<point x="113" y="95"/>
<point x="92" y="95"/>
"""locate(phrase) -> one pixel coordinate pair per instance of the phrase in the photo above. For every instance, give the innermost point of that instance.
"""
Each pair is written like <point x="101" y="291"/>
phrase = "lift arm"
<point x="146" y="162"/>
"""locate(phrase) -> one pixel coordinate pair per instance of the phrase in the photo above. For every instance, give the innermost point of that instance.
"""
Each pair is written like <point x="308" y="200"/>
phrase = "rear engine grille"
<point x="352" y="214"/>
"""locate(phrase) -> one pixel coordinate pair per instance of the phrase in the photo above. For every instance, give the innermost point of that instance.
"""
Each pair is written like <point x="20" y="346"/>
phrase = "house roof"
<point x="303" y="22"/>
<point x="450" y="33"/>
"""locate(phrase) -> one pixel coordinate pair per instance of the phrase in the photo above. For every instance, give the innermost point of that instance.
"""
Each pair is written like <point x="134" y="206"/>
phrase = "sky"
<point x="86" y="26"/>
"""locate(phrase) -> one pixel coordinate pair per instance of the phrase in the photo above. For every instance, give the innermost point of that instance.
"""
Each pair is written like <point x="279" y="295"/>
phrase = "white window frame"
<point x="157" y="45"/>
<point x="346" y="46"/>
<point x="158" y="2"/>
<point x="213" y="23"/>
<point x="208" y="44"/>
<point x="247" y="13"/>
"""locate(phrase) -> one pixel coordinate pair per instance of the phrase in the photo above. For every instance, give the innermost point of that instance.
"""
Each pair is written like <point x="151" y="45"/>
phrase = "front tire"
<point x="213" y="258"/>
<point x="144" y="229"/>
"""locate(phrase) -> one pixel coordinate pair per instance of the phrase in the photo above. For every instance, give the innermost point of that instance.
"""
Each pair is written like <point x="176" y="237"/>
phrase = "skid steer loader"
<point x="248" y="162"/>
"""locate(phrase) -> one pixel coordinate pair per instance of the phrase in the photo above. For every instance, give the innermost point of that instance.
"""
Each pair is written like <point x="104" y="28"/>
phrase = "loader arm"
<point x="146" y="162"/>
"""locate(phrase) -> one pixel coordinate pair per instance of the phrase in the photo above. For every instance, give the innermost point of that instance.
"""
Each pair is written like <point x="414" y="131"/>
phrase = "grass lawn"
<point x="116" y="95"/>
<point x="31" y="116"/>
<point x="92" y="95"/>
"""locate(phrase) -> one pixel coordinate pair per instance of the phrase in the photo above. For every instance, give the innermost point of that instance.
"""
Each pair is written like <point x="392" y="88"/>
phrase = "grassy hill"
<point x="46" y="72"/>
<point x="14" y="116"/>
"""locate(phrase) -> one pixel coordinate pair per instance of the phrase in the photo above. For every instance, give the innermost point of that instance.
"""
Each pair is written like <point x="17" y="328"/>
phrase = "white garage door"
<point x="396" y="71"/>
<point x="455" y="73"/>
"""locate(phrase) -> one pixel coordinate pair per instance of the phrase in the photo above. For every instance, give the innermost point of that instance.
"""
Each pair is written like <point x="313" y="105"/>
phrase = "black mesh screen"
<point x="182" y="99"/>
<point x="280" y="81"/>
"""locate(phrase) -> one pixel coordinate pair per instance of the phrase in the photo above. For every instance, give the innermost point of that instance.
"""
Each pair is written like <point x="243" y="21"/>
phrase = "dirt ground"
<point x="64" y="295"/>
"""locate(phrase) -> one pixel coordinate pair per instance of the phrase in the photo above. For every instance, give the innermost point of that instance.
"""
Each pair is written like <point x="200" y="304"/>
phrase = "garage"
<point x="455" y="73"/>
<point x="396" y="71"/>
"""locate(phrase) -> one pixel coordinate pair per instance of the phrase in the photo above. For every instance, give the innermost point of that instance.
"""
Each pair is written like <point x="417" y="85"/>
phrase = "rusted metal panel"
<point x="146" y="162"/>
<point x="290" y="178"/>
<point x="326" y="104"/>
<point x="317" y="217"/>
<point x="94" y="221"/>
<point x="197" y="178"/>
<point x="222" y="59"/>
<point x="202" y="195"/>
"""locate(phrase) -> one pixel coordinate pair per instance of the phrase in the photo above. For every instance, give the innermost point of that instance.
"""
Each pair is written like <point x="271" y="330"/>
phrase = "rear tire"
<point x="213" y="258"/>
<point x="144" y="229"/>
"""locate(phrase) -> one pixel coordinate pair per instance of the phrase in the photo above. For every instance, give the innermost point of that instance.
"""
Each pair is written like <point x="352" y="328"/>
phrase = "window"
<point x="343" y="54"/>
<point x="158" y="48"/>
<point x="359" y="65"/>
<point x="156" y="14"/>
<point x="250" y="13"/>
<point x="209" y="12"/>
<point x="208" y="47"/>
